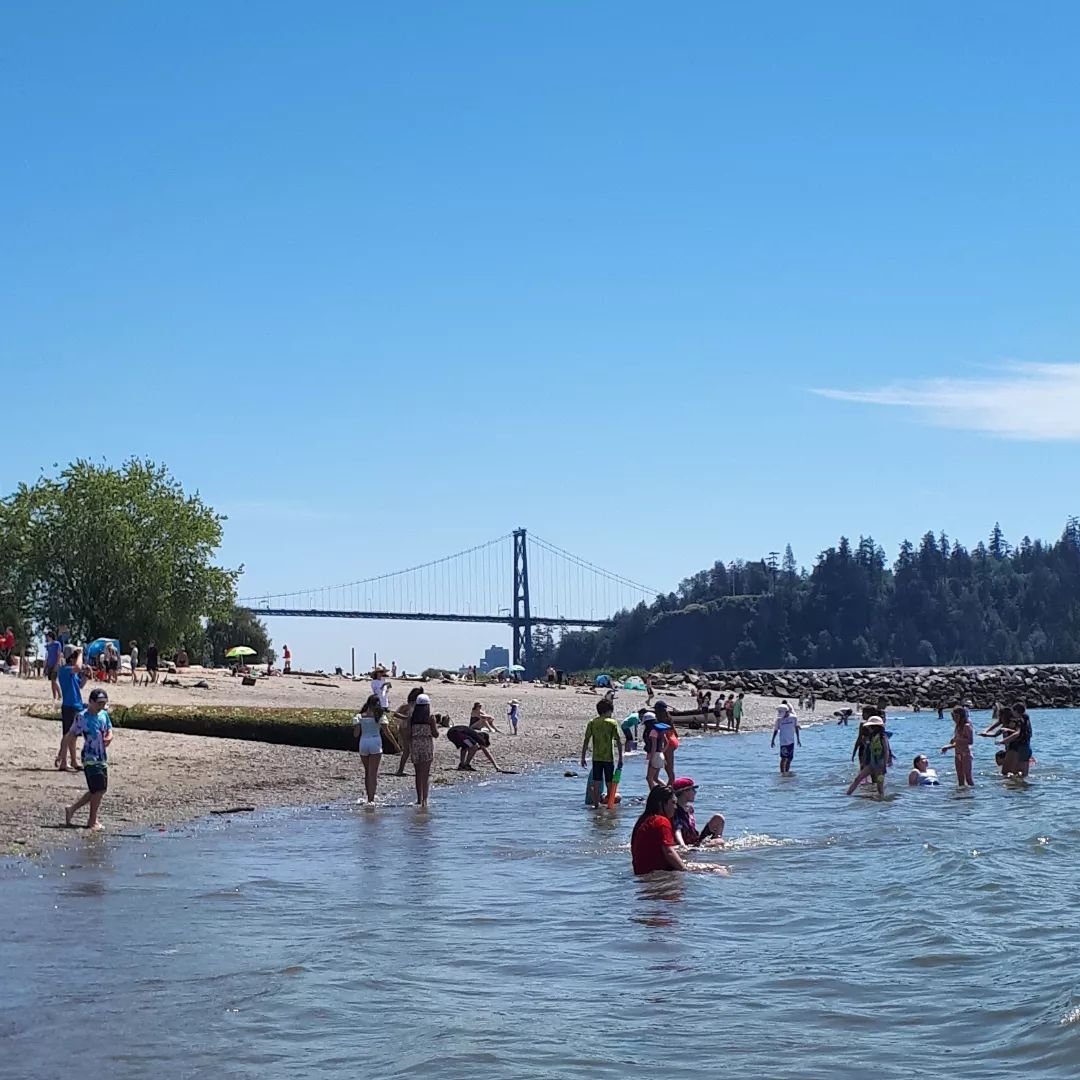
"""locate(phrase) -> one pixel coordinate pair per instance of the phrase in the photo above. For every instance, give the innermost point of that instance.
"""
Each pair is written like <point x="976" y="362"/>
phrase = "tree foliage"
<point x="118" y="552"/>
<point x="242" y="627"/>
<point x="937" y="604"/>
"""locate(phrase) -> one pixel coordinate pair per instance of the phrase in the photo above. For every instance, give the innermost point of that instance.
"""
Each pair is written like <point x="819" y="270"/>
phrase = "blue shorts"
<point x="603" y="770"/>
<point x="787" y="752"/>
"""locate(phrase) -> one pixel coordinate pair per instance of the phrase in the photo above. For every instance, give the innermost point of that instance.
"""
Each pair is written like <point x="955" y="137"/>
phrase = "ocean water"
<point x="503" y="935"/>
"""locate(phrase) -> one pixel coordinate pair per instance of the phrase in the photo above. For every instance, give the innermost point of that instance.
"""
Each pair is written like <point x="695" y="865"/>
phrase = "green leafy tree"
<point x="123" y="552"/>
<point x="243" y="627"/>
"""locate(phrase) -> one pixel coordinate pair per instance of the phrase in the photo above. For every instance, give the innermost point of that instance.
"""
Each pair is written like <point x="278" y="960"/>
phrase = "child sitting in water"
<point x="686" y="833"/>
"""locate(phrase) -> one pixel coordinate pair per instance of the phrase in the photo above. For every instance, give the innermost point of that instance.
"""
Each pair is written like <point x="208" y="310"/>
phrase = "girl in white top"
<point x="371" y="726"/>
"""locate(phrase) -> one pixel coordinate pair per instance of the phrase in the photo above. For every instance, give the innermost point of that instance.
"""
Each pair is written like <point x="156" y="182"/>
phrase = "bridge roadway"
<point x="503" y="620"/>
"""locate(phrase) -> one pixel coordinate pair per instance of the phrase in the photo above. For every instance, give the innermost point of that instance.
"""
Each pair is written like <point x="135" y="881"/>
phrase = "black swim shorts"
<point x="68" y="715"/>
<point x="603" y="770"/>
<point x="97" y="778"/>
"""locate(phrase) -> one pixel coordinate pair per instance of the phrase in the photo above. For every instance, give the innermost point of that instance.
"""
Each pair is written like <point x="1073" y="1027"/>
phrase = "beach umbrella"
<point x="515" y="667"/>
<point x="495" y="671"/>
<point x="237" y="652"/>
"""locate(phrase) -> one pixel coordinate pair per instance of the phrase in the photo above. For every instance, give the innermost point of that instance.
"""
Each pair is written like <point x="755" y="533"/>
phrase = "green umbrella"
<point x="238" y="651"/>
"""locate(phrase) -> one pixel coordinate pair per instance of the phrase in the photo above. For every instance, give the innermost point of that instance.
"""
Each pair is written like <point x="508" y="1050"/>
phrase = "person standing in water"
<point x="422" y="735"/>
<point x="402" y="715"/>
<point x="962" y="740"/>
<point x="737" y="711"/>
<point x="655" y="737"/>
<point x="1017" y="740"/>
<point x="603" y="733"/>
<point x="788" y="730"/>
<point x="874" y="750"/>
<point x="671" y="738"/>
<point x="369" y="728"/>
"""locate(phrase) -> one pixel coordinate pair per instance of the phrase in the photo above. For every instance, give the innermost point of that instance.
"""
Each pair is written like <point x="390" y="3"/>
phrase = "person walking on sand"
<point x="151" y="661"/>
<point x="788" y="730"/>
<point x="53" y="654"/>
<point x="71" y="678"/>
<point x="94" y="725"/>
<point x="422" y="735"/>
<point x="369" y="728"/>
<point x="403" y="716"/>
<point x="603" y="733"/>
<point x="133" y="650"/>
<point x="286" y="660"/>
<point x="962" y="740"/>
<point x="512" y="715"/>
<point x="650" y="693"/>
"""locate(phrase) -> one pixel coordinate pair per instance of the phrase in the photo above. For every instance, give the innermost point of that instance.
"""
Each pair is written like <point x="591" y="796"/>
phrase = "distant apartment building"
<point x="495" y="657"/>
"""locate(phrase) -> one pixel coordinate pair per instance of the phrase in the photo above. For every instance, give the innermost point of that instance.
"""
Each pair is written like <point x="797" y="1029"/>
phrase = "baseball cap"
<point x="98" y="695"/>
<point x="683" y="783"/>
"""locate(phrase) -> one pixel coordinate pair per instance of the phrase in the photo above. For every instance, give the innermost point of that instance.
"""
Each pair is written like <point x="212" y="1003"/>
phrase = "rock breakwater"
<point x="1038" y="686"/>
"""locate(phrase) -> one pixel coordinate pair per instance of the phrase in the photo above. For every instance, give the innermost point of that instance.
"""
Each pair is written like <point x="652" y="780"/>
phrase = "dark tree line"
<point x="938" y="604"/>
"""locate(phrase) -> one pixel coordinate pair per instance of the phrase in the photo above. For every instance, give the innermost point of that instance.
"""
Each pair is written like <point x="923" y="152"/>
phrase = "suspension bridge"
<point x="547" y="587"/>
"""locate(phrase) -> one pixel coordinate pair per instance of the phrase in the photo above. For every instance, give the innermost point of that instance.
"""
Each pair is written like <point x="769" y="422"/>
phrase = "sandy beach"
<point x="159" y="779"/>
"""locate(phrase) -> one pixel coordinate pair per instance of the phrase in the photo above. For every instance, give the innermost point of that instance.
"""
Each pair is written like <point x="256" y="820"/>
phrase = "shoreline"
<point x="159" y="779"/>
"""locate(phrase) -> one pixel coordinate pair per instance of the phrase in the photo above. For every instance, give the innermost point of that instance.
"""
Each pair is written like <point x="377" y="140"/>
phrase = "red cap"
<point x="683" y="783"/>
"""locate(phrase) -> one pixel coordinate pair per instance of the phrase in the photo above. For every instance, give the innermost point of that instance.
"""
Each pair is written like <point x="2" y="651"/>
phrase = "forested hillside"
<point x="938" y="603"/>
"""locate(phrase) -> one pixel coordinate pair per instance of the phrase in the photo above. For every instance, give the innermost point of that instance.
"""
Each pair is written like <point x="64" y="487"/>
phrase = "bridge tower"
<point x="522" y="616"/>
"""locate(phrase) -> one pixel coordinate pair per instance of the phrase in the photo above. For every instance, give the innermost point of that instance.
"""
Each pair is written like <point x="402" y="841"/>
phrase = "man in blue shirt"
<point x="94" y="725"/>
<point x="52" y="662"/>
<point x="70" y="677"/>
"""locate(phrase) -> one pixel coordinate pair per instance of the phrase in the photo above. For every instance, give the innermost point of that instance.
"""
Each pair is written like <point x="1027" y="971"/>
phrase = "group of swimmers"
<point x="1009" y="723"/>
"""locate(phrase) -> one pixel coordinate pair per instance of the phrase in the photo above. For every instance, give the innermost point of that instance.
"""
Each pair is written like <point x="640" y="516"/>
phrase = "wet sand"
<point x="159" y="779"/>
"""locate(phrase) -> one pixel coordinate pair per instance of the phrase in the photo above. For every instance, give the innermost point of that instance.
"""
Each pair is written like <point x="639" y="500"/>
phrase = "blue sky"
<point x="664" y="286"/>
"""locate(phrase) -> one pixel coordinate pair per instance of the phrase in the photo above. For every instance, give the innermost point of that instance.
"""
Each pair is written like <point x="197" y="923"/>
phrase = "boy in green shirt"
<point x="603" y="733"/>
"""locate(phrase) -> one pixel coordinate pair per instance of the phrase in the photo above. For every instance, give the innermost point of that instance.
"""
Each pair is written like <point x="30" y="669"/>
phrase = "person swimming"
<point x="921" y="774"/>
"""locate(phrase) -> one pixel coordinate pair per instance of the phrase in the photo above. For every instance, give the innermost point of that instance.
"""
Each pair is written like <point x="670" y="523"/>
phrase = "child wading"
<point x="603" y="733"/>
<point x="94" y="725"/>
<point x="963" y="737"/>
<point x="875" y="754"/>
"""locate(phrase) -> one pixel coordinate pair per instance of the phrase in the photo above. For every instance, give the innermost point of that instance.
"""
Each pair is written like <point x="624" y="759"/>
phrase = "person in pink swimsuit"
<point x="963" y="737"/>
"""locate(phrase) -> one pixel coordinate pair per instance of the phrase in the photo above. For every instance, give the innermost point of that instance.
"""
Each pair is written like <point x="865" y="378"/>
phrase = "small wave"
<point x="759" y="840"/>
<point x="1071" y="1017"/>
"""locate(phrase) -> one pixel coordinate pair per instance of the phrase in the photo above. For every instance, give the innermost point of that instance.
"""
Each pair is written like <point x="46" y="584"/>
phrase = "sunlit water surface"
<point x="503" y="935"/>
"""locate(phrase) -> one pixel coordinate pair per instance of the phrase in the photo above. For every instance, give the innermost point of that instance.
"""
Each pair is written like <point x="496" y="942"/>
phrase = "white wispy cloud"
<point x="1039" y="402"/>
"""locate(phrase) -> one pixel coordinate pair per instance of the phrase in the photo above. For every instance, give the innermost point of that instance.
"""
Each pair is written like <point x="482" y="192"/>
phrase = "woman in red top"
<point x="652" y="843"/>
